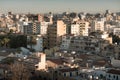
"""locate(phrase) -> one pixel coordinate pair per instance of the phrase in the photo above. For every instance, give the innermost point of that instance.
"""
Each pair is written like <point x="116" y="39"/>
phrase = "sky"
<point x="58" y="6"/>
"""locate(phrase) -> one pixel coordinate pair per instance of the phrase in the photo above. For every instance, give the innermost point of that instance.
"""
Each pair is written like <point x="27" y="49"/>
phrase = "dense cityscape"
<point x="66" y="46"/>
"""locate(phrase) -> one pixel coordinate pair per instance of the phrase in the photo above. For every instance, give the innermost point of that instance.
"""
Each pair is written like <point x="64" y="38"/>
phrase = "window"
<point x="77" y="46"/>
<point x="76" y="73"/>
<point x="72" y="41"/>
<point x="36" y="67"/>
<point x="114" y="76"/>
<point x="70" y="74"/>
<point x="64" y="74"/>
<point x="117" y="78"/>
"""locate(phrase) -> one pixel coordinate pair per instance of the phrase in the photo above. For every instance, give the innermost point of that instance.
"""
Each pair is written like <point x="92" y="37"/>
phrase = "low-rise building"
<point x="68" y="72"/>
<point x="116" y="31"/>
<point x="55" y="63"/>
<point x="115" y="62"/>
<point x="113" y="74"/>
<point x="66" y="39"/>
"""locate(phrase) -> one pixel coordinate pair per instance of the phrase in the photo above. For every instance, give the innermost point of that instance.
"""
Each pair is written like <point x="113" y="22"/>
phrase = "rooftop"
<point x="56" y="61"/>
<point x="68" y="69"/>
<point x="113" y="71"/>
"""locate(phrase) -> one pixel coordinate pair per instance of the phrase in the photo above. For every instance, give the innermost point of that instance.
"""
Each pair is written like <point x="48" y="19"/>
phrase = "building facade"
<point x="113" y="74"/>
<point x="97" y="25"/>
<point x="55" y="32"/>
<point x="32" y="28"/>
<point x="80" y="28"/>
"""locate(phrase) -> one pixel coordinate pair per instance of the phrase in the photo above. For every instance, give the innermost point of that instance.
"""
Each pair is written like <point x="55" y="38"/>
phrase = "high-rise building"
<point x="97" y="25"/>
<point x="80" y="28"/>
<point x="32" y="28"/>
<point x="75" y="29"/>
<point x="43" y="27"/>
<point x="55" y="32"/>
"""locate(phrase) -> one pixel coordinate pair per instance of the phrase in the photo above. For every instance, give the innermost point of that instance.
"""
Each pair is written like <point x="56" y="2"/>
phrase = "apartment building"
<point x="113" y="74"/>
<point x="97" y="25"/>
<point x="116" y="31"/>
<point x="31" y="28"/>
<point x="66" y="39"/>
<point x="43" y="27"/>
<point x="75" y="29"/>
<point x="55" y="32"/>
<point x="80" y="28"/>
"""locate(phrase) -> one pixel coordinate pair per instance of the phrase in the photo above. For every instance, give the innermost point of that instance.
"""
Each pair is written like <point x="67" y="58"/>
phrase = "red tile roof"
<point x="68" y="69"/>
<point x="100" y="63"/>
<point x="57" y="61"/>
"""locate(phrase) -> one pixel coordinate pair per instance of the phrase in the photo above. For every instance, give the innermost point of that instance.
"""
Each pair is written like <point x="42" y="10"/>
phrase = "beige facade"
<point x="55" y="32"/>
<point x="42" y="64"/>
<point x="40" y="17"/>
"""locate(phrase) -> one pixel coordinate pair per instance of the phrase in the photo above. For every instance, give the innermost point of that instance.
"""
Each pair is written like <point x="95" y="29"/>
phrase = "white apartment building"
<point x="80" y="28"/>
<point x="43" y="27"/>
<point x="116" y="31"/>
<point x="75" y="29"/>
<point x="97" y="25"/>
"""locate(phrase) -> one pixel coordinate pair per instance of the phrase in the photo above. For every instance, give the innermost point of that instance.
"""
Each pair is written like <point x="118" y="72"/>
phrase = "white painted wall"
<point x="115" y="63"/>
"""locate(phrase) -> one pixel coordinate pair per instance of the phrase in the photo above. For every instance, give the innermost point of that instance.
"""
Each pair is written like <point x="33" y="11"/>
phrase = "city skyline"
<point x="57" y="6"/>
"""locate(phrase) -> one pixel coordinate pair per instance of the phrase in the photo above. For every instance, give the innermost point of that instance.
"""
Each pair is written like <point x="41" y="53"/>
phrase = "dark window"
<point x="114" y="76"/>
<point x="64" y="74"/>
<point x="36" y="67"/>
<point x="70" y="74"/>
<point x="72" y="41"/>
<point x="76" y="73"/>
<point x="117" y="78"/>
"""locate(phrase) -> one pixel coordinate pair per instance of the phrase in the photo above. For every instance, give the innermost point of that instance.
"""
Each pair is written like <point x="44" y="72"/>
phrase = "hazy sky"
<point x="38" y="6"/>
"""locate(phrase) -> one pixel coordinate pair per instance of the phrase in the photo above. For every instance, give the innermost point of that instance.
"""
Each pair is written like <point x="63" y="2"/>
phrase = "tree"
<point x="8" y="60"/>
<point x="5" y="41"/>
<point x="115" y="38"/>
<point x="18" y="41"/>
<point x="32" y="40"/>
<point x="19" y="71"/>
